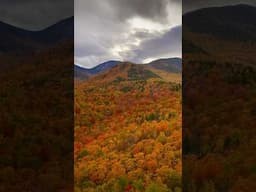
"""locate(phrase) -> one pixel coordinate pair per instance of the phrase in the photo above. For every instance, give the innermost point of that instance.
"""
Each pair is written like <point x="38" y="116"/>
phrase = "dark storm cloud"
<point x="189" y="5"/>
<point x="163" y="45"/>
<point x="35" y="15"/>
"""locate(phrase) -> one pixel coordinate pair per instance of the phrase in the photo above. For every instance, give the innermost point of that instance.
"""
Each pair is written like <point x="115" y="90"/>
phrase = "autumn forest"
<point x="127" y="132"/>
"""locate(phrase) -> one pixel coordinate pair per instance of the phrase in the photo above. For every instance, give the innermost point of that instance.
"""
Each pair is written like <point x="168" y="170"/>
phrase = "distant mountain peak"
<point x="173" y="65"/>
<point x="233" y="22"/>
<point x="14" y="39"/>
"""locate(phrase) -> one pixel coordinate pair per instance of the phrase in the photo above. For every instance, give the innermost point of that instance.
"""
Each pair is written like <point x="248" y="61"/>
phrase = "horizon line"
<point x="79" y="65"/>
<point x="37" y="30"/>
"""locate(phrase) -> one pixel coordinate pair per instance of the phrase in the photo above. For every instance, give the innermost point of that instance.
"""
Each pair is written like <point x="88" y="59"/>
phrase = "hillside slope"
<point x="36" y="99"/>
<point x="127" y="131"/>
<point x="81" y="73"/>
<point x="163" y="68"/>
<point x="14" y="39"/>
<point x="235" y="22"/>
<point x="172" y="65"/>
<point x="219" y="89"/>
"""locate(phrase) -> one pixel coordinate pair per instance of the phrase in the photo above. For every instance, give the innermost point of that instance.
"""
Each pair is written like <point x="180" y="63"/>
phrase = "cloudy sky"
<point x="35" y="15"/>
<point x="134" y="30"/>
<point x="126" y="30"/>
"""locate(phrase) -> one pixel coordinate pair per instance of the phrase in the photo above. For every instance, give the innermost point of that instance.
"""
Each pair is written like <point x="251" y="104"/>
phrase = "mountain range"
<point x="236" y="22"/>
<point x="222" y="33"/>
<point x="14" y="39"/>
<point x="171" y="65"/>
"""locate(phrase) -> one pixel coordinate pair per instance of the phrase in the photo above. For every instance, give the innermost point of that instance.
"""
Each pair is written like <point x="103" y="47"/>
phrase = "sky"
<point x="133" y="30"/>
<point x="127" y="30"/>
<point x="35" y="14"/>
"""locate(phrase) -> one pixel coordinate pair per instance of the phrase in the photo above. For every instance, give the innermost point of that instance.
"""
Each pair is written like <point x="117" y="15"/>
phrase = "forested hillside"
<point x="127" y="132"/>
<point x="36" y="121"/>
<point x="219" y="83"/>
